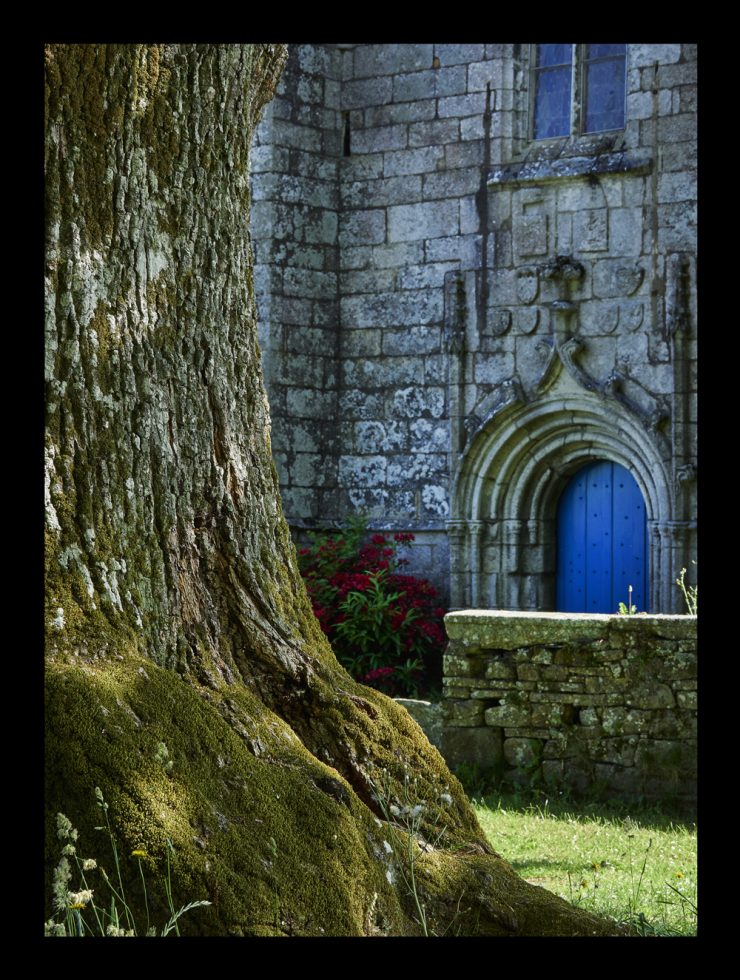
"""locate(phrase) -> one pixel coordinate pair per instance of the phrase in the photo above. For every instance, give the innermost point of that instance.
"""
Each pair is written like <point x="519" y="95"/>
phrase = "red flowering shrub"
<point x="385" y="626"/>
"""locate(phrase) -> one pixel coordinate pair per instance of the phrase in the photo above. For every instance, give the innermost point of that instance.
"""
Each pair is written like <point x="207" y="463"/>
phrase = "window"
<point x="594" y="72"/>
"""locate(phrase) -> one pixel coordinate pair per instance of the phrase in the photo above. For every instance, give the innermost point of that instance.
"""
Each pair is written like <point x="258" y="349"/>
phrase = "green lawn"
<point x="631" y="864"/>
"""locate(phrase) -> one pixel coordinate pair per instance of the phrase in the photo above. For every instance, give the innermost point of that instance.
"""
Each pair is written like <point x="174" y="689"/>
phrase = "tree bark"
<point x="175" y="614"/>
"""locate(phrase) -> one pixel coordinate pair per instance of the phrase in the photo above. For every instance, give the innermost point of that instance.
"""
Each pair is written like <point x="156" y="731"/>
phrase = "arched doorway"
<point x="602" y="545"/>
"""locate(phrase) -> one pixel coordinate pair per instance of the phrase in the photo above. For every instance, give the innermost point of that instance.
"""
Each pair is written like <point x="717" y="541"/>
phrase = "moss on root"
<point x="274" y="838"/>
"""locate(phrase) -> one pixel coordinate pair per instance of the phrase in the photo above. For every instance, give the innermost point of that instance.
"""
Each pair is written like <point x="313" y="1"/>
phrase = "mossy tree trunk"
<point x="186" y="674"/>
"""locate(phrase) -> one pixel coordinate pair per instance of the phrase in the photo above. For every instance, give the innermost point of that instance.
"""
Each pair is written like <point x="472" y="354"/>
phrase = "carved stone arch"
<point x="510" y="479"/>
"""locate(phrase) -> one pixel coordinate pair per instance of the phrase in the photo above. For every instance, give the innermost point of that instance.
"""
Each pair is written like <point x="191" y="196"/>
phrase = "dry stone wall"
<point x="588" y="702"/>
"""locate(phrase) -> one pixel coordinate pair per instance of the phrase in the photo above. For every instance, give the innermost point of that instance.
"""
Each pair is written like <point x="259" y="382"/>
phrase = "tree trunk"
<point x="186" y="674"/>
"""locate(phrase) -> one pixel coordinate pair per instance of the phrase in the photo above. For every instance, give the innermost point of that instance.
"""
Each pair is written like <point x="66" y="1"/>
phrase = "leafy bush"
<point x="385" y="627"/>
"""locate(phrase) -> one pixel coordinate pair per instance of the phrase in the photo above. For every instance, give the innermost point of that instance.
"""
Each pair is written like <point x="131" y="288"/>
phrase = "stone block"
<point x="508" y="715"/>
<point x="414" y="403"/>
<point x="322" y="229"/>
<point x="625" y="721"/>
<point x="388" y="190"/>
<point x="356" y="258"/>
<point x="366" y="92"/>
<point x="499" y="670"/>
<point x="472" y="127"/>
<point x="398" y="255"/>
<point x="465" y="249"/>
<point x="677" y="187"/>
<point x="391" y="59"/>
<point x="434" y="131"/>
<point x="687" y="699"/>
<point x="362" y="471"/>
<point x="414" y="222"/>
<point x="400" y="112"/>
<point x="308" y="404"/>
<point x="381" y="138"/>
<point x="591" y="230"/>
<point x="405" y="470"/>
<point x="451" y="183"/>
<point x="366" y="281"/>
<point x="483" y="73"/>
<point x="659" y="756"/>
<point x="416" y="161"/>
<point x="308" y="470"/>
<point x="460" y="54"/>
<point x="646" y="55"/>
<point x="462" y="105"/>
<point x="469" y="154"/>
<point x="361" y="405"/>
<point x="428" y="437"/>
<point x="430" y="275"/>
<point x="364" y="167"/>
<point x="362" y="228"/>
<point x="462" y="713"/>
<point x="380" y="437"/>
<point x="522" y="752"/>
<point x="392" y="309"/>
<point x="412" y="340"/>
<point x="481" y="747"/>
<point x="428" y="716"/>
<point x="650" y="695"/>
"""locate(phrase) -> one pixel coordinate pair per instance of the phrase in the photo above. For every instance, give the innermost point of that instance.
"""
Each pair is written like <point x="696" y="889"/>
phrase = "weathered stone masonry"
<point x="456" y="317"/>
<point x="575" y="700"/>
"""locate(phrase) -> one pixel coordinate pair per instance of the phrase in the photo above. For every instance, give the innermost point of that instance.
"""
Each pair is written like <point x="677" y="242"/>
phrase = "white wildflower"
<point x="62" y="876"/>
<point x="69" y="850"/>
<point x="88" y="864"/>
<point x="394" y="810"/>
<point x="65" y="830"/>
<point x="80" y="898"/>
<point x="52" y="928"/>
<point x="446" y="798"/>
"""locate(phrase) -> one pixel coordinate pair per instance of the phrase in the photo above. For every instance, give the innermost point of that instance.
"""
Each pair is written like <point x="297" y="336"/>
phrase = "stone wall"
<point x="584" y="701"/>
<point x="457" y="317"/>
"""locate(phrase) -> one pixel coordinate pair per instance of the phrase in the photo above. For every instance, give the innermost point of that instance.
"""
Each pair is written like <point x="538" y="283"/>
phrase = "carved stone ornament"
<point x="629" y="278"/>
<point x="500" y="322"/>
<point x="527" y="285"/>
<point x="631" y="315"/>
<point x="527" y="319"/>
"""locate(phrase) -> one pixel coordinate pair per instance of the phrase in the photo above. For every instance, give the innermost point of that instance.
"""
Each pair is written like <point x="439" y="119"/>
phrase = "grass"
<point x="634" y="864"/>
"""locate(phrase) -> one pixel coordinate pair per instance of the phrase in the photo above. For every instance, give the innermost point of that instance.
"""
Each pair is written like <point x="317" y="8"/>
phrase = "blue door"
<point x="601" y="541"/>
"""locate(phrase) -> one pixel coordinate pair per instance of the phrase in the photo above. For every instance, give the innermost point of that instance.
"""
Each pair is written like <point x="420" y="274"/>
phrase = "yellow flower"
<point x="139" y="854"/>
<point x="679" y="874"/>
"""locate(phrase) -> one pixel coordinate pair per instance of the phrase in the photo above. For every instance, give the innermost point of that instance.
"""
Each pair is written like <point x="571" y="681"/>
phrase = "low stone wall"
<point x="574" y="699"/>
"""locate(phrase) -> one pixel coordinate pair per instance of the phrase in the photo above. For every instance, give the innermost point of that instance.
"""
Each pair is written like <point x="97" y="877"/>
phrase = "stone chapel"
<point x="475" y="270"/>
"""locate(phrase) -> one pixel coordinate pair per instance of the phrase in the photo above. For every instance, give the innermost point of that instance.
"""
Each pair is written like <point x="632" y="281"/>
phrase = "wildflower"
<point x="89" y="864"/>
<point x="680" y="874"/>
<point x="62" y="876"/>
<point x="52" y="928"/>
<point x="446" y="798"/>
<point x="139" y="854"/>
<point x="78" y="900"/>
<point x="69" y="850"/>
<point x="64" y="828"/>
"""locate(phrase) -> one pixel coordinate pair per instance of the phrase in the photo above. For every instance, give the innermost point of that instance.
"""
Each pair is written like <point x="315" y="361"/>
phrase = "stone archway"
<point x="515" y="466"/>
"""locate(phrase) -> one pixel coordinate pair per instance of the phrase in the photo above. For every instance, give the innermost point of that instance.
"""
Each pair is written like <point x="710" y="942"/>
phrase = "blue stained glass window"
<point x="552" y="90"/>
<point x="604" y="87"/>
<point x="600" y="87"/>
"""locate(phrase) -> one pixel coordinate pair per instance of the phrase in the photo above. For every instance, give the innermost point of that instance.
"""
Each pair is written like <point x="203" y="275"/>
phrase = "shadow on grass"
<point x="558" y="806"/>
